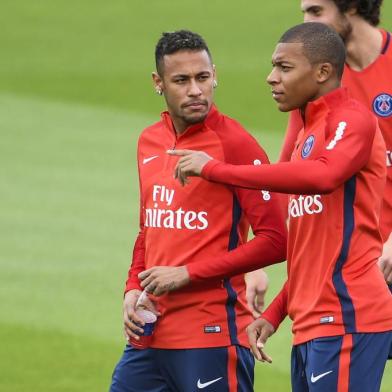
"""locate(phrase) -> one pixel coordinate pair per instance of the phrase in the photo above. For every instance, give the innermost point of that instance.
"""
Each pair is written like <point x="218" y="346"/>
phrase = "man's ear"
<point x="324" y="72"/>
<point x="157" y="82"/>
<point x="215" y="83"/>
<point x="351" y="11"/>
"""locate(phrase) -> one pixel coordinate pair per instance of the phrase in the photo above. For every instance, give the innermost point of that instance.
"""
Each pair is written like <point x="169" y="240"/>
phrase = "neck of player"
<point x="363" y="45"/>
<point x="179" y="125"/>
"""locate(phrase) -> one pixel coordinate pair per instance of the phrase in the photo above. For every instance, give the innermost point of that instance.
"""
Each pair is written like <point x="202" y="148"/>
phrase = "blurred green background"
<point x="75" y="92"/>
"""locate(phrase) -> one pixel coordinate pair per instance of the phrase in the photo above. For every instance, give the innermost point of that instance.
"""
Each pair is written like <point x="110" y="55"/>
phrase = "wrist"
<point x="186" y="274"/>
<point x="128" y="292"/>
<point x="274" y="323"/>
<point x="208" y="168"/>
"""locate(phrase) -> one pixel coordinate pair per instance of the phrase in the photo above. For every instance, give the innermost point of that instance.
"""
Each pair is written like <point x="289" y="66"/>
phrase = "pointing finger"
<point x="179" y="152"/>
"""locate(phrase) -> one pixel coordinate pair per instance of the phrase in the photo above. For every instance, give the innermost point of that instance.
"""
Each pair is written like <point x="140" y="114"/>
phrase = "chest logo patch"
<point x="382" y="105"/>
<point x="307" y="147"/>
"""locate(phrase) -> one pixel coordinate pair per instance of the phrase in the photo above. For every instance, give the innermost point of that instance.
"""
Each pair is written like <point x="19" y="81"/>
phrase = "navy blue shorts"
<point x="348" y="363"/>
<point x="220" y="369"/>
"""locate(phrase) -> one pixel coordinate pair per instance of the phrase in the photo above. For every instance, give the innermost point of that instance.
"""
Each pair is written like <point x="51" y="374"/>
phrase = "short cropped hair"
<point x="176" y="41"/>
<point x="368" y="9"/>
<point x="321" y="44"/>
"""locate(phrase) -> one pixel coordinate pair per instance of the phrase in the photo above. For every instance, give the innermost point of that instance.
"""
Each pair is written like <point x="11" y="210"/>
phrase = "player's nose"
<point x="273" y="77"/>
<point x="309" y="18"/>
<point x="194" y="89"/>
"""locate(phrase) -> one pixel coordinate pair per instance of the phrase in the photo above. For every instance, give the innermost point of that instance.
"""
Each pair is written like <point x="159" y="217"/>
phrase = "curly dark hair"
<point x="321" y="44"/>
<point x="175" y="41"/>
<point x="368" y="9"/>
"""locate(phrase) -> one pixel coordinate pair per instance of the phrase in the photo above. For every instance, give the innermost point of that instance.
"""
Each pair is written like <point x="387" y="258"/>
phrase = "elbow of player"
<point x="327" y="185"/>
<point x="280" y="244"/>
<point x="325" y="189"/>
<point x="275" y="248"/>
<point x="283" y="246"/>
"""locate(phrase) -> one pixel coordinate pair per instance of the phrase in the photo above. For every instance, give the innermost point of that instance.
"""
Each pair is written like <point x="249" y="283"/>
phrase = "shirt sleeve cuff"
<point x="272" y="319"/>
<point x="132" y="286"/>
<point x="191" y="271"/>
<point x="208" y="168"/>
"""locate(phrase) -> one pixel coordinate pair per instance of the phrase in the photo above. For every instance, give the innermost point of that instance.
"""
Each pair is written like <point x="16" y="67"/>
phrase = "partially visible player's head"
<point x="338" y="13"/>
<point x="185" y="75"/>
<point x="308" y="62"/>
<point x="367" y="9"/>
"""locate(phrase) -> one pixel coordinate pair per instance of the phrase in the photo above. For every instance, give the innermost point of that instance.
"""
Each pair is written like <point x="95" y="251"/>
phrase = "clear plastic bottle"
<point x="148" y="328"/>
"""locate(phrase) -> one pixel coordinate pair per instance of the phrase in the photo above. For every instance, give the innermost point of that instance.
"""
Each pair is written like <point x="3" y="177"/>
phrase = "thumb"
<point x="250" y="298"/>
<point x="259" y="302"/>
<point x="263" y="337"/>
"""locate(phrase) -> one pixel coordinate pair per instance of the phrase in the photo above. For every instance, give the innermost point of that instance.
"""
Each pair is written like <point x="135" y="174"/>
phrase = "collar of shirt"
<point x="386" y="40"/>
<point x="209" y="122"/>
<point x="320" y="106"/>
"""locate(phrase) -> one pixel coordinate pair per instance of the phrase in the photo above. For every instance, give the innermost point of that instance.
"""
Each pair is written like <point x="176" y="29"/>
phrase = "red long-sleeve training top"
<point x="335" y="180"/>
<point x="204" y="226"/>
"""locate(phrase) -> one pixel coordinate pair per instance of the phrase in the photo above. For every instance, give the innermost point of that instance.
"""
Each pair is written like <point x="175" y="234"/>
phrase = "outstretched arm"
<point x="344" y="154"/>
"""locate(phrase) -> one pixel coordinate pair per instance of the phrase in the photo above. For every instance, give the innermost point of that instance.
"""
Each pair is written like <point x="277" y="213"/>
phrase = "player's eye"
<point x="283" y="67"/>
<point x="315" y="11"/>
<point x="203" y="78"/>
<point x="180" y="80"/>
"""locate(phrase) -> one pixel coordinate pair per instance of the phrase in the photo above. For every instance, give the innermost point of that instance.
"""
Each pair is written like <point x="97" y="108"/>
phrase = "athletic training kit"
<point x="335" y="177"/>
<point x="205" y="226"/>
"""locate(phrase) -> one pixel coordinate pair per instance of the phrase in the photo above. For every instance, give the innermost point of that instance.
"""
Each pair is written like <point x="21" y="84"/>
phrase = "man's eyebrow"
<point x="311" y="8"/>
<point x="180" y="75"/>
<point x="279" y="59"/>
<point x="204" y="72"/>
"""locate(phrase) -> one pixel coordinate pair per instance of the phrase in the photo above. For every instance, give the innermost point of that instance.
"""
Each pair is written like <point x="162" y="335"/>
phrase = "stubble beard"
<point x="344" y="29"/>
<point x="191" y="120"/>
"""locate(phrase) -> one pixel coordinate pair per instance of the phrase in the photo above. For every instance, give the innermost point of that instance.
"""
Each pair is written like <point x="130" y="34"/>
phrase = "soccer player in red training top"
<point x="368" y="77"/>
<point x="199" y="233"/>
<point x="342" y="311"/>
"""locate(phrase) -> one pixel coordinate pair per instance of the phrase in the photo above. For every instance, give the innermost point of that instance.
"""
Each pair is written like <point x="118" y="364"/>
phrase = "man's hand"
<point x="256" y="287"/>
<point x="385" y="261"/>
<point x="190" y="164"/>
<point x="258" y="333"/>
<point x="132" y="322"/>
<point x="161" y="280"/>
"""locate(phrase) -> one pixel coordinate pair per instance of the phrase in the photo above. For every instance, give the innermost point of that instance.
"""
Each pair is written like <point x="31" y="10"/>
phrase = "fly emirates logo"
<point x="172" y="219"/>
<point x="305" y="205"/>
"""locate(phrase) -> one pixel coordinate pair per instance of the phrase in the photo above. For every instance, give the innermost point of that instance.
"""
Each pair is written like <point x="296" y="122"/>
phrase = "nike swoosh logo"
<point x="202" y="385"/>
<point x="146" y="160"/>
<point x="314" y="379"/>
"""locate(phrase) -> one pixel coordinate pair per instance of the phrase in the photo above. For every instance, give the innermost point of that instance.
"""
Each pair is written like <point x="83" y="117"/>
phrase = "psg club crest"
<point x="382" y="105"/>
<point x="307" y="147"/>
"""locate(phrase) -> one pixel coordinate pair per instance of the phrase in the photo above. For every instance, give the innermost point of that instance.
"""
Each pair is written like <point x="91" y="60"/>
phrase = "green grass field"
<point x="75" y="92"/>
